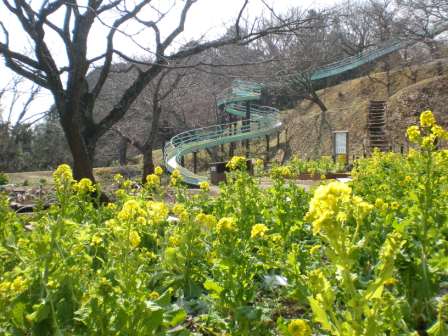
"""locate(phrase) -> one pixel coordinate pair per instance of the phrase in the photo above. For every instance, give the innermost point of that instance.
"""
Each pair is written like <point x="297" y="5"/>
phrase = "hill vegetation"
<point x="348" y="102"/>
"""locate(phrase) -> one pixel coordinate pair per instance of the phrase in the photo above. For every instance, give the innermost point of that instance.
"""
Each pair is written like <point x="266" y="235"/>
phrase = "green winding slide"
<point x="263" y="120"/>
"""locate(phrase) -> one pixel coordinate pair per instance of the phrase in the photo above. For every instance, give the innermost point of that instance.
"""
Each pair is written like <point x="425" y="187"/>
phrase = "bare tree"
<point x="163" y="87"/>
<point x="309" y="49"/>
<point x="73" y="96"/>
<point x="353" y="27"/>
<point x="19" y="97"/>
<point x="424" y="20"/>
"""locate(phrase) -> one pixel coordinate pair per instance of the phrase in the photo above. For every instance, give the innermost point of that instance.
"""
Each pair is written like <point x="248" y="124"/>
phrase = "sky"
<point x="207" y="19"/>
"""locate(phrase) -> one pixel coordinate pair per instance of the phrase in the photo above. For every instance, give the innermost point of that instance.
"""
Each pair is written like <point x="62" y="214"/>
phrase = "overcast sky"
<point x="207" y="19"/>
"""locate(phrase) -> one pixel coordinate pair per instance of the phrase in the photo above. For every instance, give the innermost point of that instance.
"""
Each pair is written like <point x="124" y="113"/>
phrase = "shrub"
<point x="3" y="179"/>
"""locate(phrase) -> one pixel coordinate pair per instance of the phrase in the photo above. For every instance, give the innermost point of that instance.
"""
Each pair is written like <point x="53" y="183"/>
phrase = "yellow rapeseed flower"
<point x="120" y="193"/>
<point x="175" y="174"/>
<point x="118" y="178"/>
<point x="63" y="176"/>
<point x="299" y="327"/>
<point x="428" y="141"/>
<point x="427" y="119"/>
<point x="206" y="220"/>
<point x="439" y="132"/>
<point x="178" y="208"/>
<point x="380" y="204"/>
<point x="236" y="162"/>
<point x="282" y="171"/>
<point x="363" y="207"/>
<point x="154" y="295"/>
<point x="204" y="186"/>
<point x="174" y="240"/>
<point x="130" y="209"/>
<point x="276" y="238"/>
<point x="341" y="217"/>
<point x="329" y="205"/>
<point x="85" y="186"/>
<point x="134" y="238"/>
<point x="5" y="287"/>
<point x="413" y="133"/>
<point x="258" y="230"/>
<point x="153" y="180"/>
<point x="226" y="224"/>
<point x="157" y="211"/>
<point x="111" y="206"/>
<point x="394" y="205"/>
<point x="141" y="220"/>
<point x="324" y="203"/>
<point x="127" y="184"/>
<point x="96" y="240"/>
<point x="175" y="180"/>
<point x="18" y="285"/>
<point x="52" y="284"/>
<point x="158" y="171"/>
<point x="63" y="171"/>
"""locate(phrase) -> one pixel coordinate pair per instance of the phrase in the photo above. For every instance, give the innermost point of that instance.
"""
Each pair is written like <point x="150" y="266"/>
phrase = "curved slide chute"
<point x="264" y="120"/>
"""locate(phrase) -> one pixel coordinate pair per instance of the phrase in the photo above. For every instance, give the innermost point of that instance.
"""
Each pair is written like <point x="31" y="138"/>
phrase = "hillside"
<point x="412" y="91"/>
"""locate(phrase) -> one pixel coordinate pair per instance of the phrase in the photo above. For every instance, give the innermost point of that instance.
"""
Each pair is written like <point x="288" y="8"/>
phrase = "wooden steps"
<point x="376" y="125"/>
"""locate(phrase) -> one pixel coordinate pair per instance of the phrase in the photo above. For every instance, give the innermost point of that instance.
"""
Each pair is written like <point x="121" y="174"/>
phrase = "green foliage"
<point x="3" y="179"/>
<point x="365" y="258"/>
<point x="321" y="166"/>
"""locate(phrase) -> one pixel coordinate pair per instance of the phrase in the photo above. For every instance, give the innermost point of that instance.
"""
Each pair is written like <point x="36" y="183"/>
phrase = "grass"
<point x="104" y="175"/>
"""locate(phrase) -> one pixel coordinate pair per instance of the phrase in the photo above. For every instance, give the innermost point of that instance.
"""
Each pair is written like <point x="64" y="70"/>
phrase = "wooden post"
<point x="348" y="148"/>
<point x="248" y="128"/>
<point x="195" y="162"/>
<point x="278" y="139"/>
<point x="267" y="149"/>
<point x="232" y="128"/>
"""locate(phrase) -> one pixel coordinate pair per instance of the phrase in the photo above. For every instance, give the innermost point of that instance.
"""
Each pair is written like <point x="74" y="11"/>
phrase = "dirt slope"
<point x="412" y="91"/>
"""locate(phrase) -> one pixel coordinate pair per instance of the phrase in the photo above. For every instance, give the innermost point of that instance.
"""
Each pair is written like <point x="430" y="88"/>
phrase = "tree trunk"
<point x="434" y="48"/>
<point x="82" y="157"/>
<point x="122" y="152"/>
<point x="323" y="122"/>
<point x="148" y="164"/>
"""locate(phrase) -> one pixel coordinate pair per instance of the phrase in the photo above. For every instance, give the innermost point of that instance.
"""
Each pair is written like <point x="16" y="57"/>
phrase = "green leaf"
<point x="438" y="329"/>
<point x="18" y="313"/>
<point x="374" y="291"/>
<point x="178" y="317"/>
<point x="40" y="313"/>
<point x="213" y="286"/>
<point x="319" y="313"/>
<point x="165" y="298"/>
<point x="248" y="313"/>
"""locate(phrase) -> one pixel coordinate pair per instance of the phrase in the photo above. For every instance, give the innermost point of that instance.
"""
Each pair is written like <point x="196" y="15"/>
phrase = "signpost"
<point x="341" y="146"/>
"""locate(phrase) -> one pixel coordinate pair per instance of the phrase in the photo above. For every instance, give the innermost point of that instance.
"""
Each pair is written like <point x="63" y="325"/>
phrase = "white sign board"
<point x="340" y="142"/>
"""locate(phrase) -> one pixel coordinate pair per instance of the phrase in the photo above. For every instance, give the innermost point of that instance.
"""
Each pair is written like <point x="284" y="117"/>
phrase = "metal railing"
<point x="263" y="121"/>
